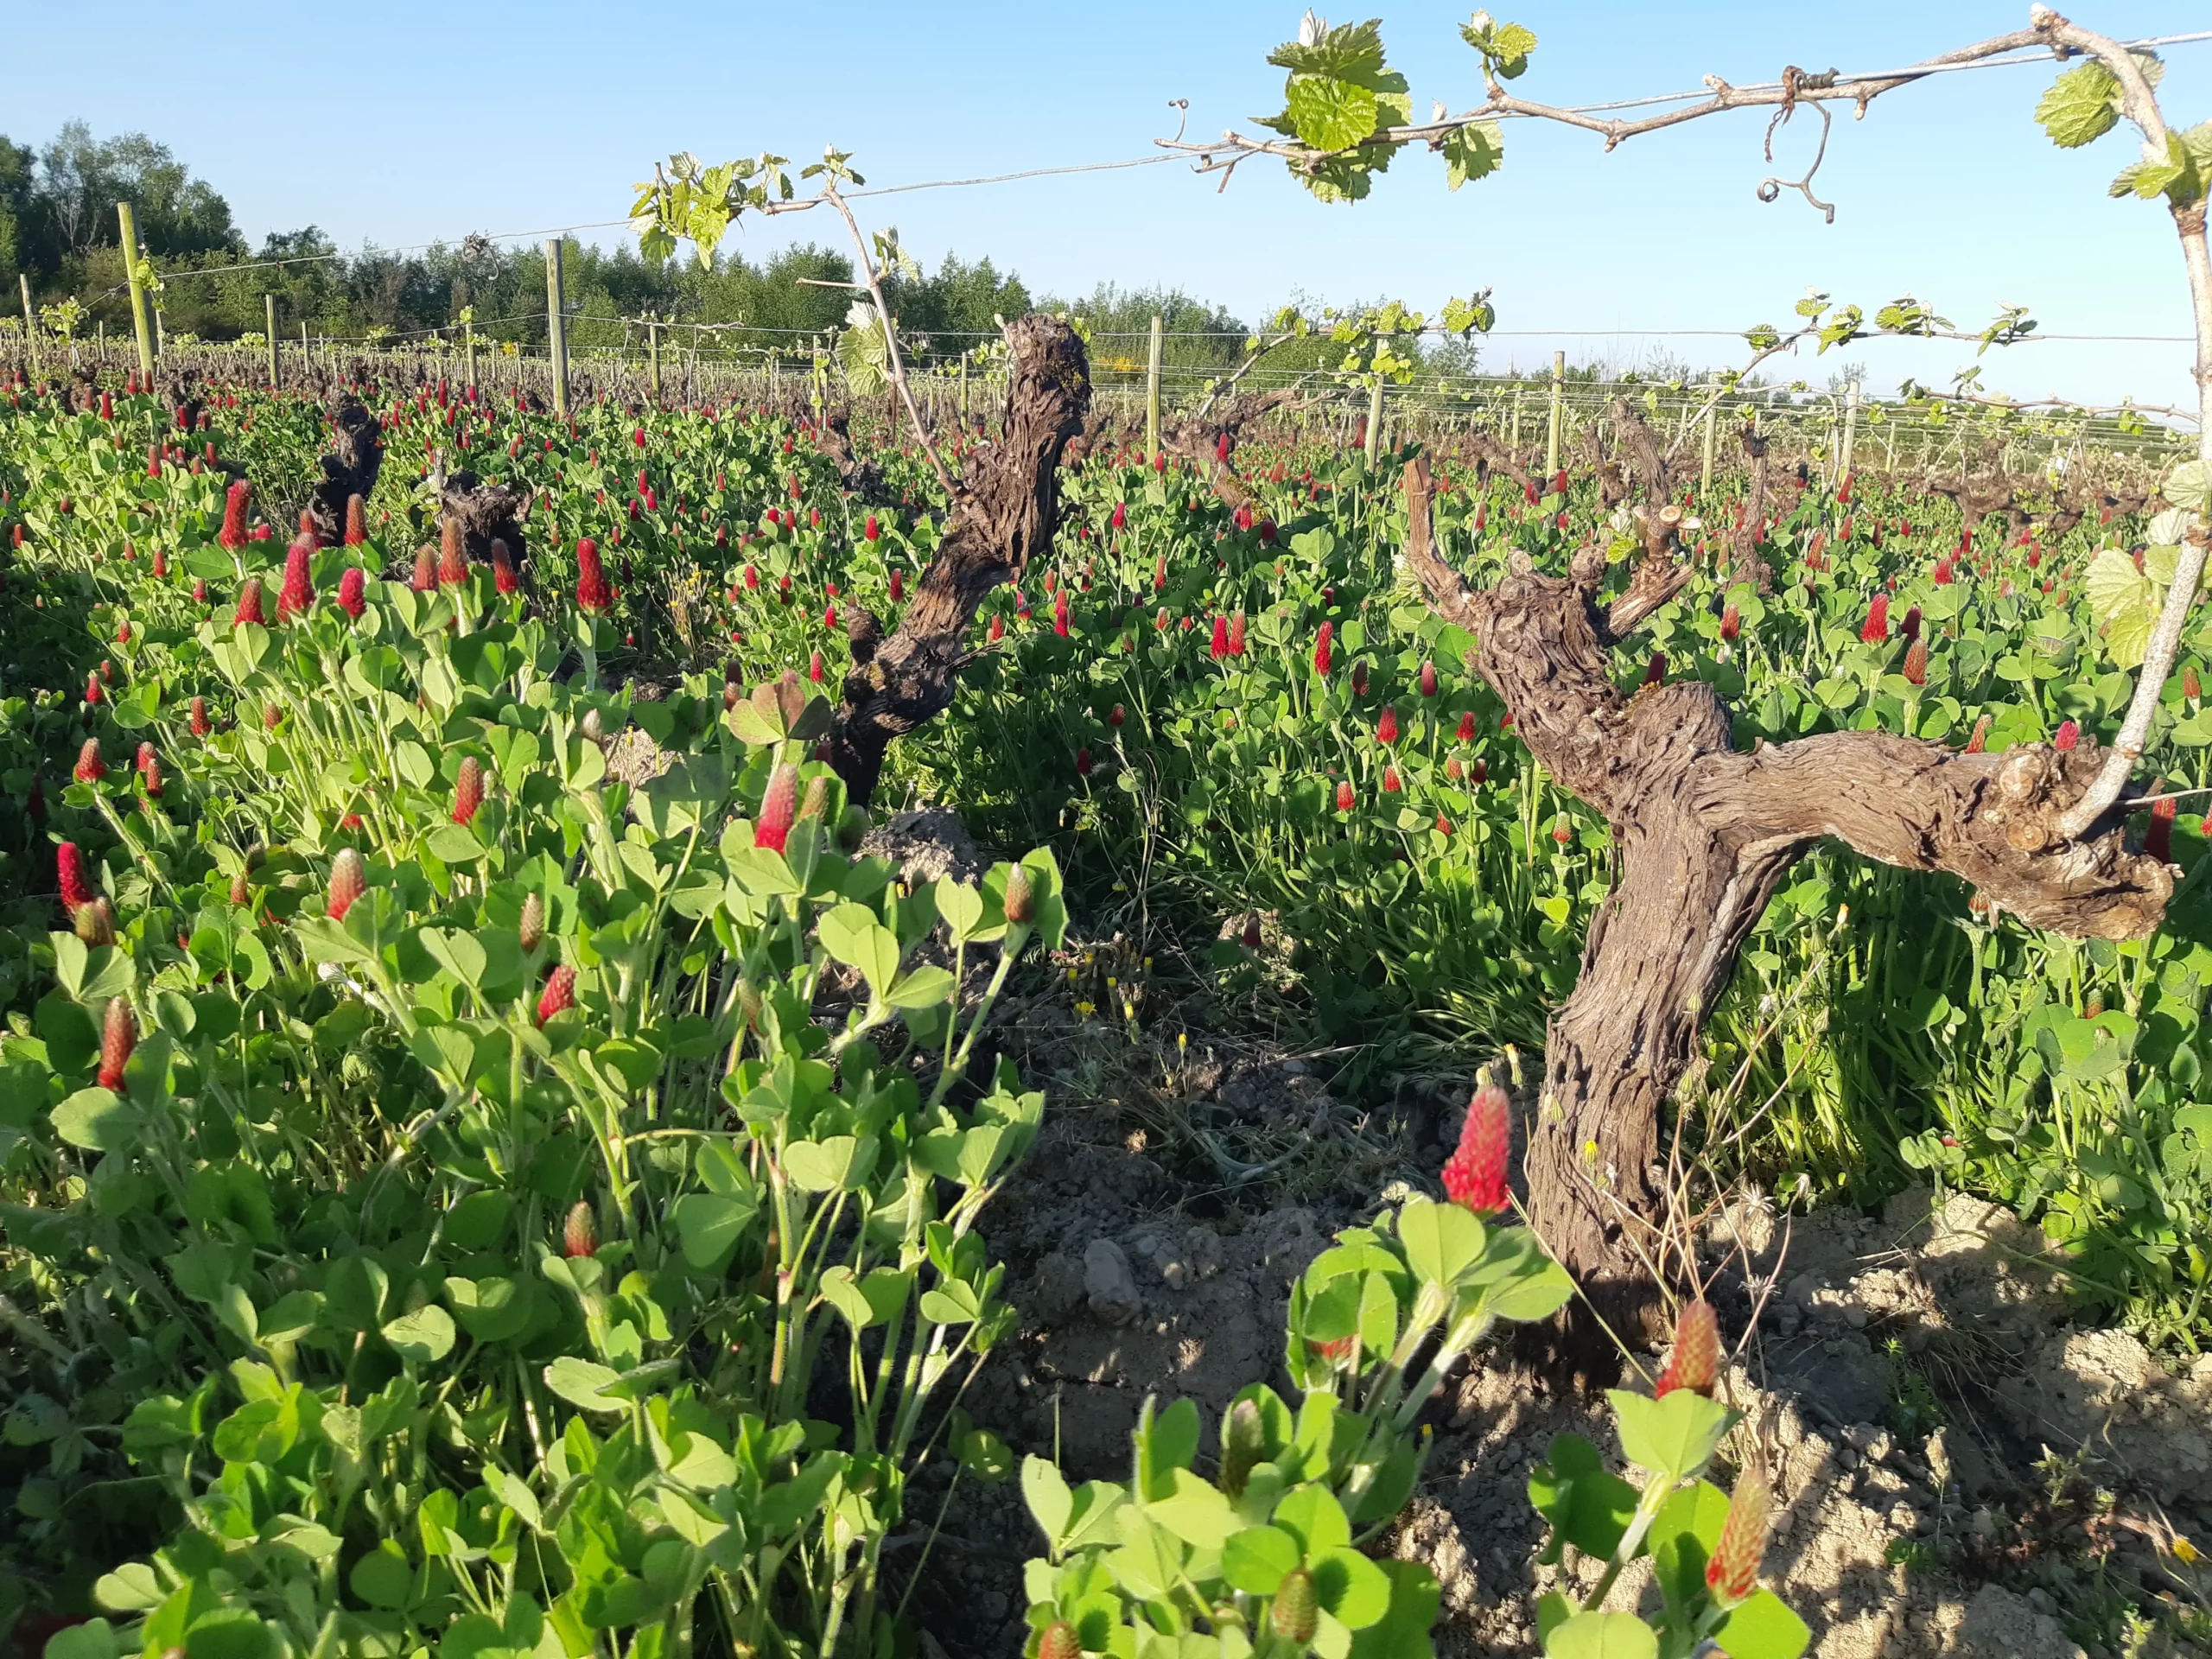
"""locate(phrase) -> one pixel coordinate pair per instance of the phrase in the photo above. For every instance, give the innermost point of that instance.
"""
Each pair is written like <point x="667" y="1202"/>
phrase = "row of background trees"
<point x="58" y="226"/>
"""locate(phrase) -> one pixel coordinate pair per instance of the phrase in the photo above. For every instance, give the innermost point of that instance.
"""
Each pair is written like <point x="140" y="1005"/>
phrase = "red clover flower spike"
<point x="118" y="1036"/>
<point x="579" y="1235"/>
<point x="298" y="594"/>
<point x="468" y="790"/>
<point x="593" y="596"/>
<point x="1475" y="1174"/>
<point x="778" y="809"/>
<point x="234" y="535"/>
<point x="1696" y="1363"/>
<point x="1732" y="1573"/>
<point x="1876" y="629"/>
<point x="560" y="993"/>
<point x="453" y="558"/>
<point x="349" y="880"/>
<point x="69" y="867"/>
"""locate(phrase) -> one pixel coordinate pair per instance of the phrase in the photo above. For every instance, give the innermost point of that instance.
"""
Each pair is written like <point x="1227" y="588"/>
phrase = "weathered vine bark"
<point x="184" y="402"/>
<point x="1703" y="835"/>
<point x="1640" y="444"/>
<point x="1491" y="455"/>
<point x="484" y="514"/>
<point x="1198" y="440"/>
<point x="861" y="474"/>
<point x="1004" y="510"/>
<point x="1977" y="492"/>
<point x="1612" y="483"/>
<point x="356" y="454"/>
<point x="1744" y="542"/>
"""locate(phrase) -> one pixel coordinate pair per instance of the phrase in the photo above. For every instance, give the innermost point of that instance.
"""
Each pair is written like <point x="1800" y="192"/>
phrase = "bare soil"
<point x="1959" y="1470"/>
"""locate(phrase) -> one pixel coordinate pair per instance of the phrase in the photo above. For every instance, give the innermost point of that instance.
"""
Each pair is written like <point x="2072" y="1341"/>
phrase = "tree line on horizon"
<point x="58" y="227"/>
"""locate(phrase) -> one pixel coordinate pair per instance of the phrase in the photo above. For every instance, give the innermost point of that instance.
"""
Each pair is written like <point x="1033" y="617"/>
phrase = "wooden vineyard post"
<point x="1374" y="422"/>
<point x="468" y="345"/>
<point x="268" y="324"/>
<point x="556" y="326"/>
<point x="1850" y="431"/>
<point x="1559" y="408"/>
<point x="138" y="293"/>
<point x="30" y="323"/>
<point x="652" y="358"/>
<point x="1152" y="391"/>
<point x="1711" y="426"/>
<point x="963" y="387"/>
<point x="1515" y="441"/>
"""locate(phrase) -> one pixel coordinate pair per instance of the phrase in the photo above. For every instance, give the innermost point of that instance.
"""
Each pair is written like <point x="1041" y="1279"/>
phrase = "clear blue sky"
<point x="496" y="117"/>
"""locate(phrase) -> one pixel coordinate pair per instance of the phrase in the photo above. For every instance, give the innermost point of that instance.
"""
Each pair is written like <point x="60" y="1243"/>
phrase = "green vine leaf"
<point x="1504" y="47"/>
<point x="2124" y="603"/>
<point x="2182" y="177"/>
<point x="2082" y="105"/>
<point x="2190" y="485"/>
<point x="1330" y="114"/>
<point x="1475" y="152"/>
<point x="1350" y="52"/>
<point x="1339" y="96"/>
<point x="863" y="352"/>
<point x="1906" y="316"/>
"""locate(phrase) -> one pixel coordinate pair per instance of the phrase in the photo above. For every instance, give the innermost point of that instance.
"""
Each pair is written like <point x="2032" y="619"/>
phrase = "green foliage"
<point x="1473" y="151"/>
<point x="2088" y="101"/>
<point x="1338" y="96"/>
<point x="345" y="1151"/>
<point x="1341" y="101"/>
<point x="687" y="202"/>
<point x="945" y="311"/>
<point x="1504" y="47"/>
<point x="1895" y="1048"/>
<point x="864" y="351"/>
<point x="2083" y="106"/>
<point x="2182" y="175"/>
<point x="1175" y="1561"/>
<point x="1675" y="1517"/>
<point x="438" y="1309"/>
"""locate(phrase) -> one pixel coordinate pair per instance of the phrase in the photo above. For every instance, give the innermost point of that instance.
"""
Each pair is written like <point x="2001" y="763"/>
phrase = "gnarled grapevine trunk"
<point x="484" y="514"/>
<point x="1703" y="835"/>
<point x="1007" y="506"/>
<point x="350" y="469"/>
